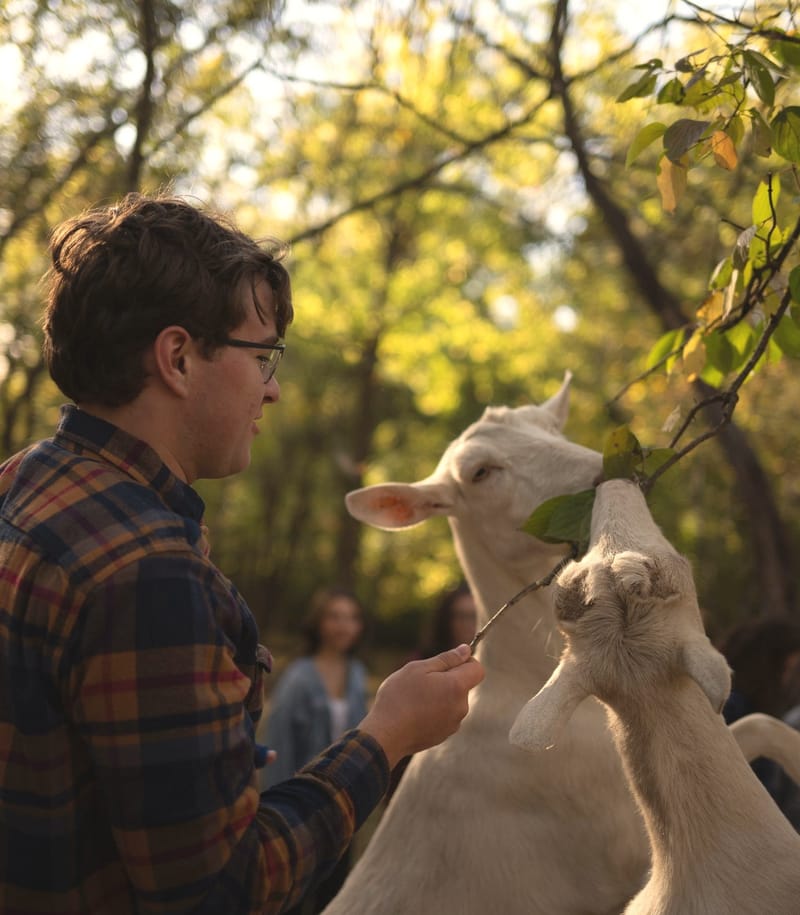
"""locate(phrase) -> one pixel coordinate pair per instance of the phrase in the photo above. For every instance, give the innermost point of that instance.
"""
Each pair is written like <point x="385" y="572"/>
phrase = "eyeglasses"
<point x="267" y="364"/>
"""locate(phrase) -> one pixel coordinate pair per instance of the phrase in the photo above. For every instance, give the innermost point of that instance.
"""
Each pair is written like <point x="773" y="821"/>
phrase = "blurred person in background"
<point x="455" y="620"/>
<point x="319" y="697"/>
<point x="764" y="655"/>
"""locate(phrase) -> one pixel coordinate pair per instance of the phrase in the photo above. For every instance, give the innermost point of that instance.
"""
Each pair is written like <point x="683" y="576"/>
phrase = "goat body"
<point x="477" y="825"/>
<point x="635" y="640"/>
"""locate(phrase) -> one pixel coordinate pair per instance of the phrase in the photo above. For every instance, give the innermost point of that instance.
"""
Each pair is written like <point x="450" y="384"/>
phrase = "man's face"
<point x="230" y="394"/>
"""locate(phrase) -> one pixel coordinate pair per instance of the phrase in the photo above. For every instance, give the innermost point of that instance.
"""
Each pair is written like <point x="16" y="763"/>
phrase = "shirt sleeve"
<point x="288" y="726"/>
<point x="158" y="699"/>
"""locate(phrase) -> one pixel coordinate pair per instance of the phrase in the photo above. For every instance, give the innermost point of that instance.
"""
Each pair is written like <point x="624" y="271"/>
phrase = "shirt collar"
<point x="80" y="431"/>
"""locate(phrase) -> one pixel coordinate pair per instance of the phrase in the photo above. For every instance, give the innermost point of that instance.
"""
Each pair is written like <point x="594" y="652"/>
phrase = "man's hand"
<point x="423" y="703"/>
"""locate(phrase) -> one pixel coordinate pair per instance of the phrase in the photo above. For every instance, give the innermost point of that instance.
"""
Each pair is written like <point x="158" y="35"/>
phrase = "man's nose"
<point x="272" y="391"/>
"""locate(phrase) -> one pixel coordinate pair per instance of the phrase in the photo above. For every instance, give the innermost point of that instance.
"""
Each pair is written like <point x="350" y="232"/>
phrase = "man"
<point x="130" y="678"/>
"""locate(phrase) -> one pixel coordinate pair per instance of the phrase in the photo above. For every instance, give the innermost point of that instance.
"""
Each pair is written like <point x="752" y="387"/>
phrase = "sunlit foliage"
<point x="456" y="181"/>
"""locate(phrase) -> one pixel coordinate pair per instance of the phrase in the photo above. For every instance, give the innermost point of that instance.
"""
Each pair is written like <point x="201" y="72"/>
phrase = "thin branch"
<point x="429" y="120"/>
<point x="207" y="105"/>
<point x="416" y="181"/>
<point x="643" y="376"/>
<point x="728" y="398"/>
<point x="528" y="589"/>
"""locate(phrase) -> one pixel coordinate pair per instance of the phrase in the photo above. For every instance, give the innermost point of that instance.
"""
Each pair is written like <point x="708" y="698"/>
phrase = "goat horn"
<point x="558" y="404"/>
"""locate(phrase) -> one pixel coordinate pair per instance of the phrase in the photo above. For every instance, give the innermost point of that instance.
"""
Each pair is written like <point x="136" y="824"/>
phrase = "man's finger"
<point x="451" y="658"/>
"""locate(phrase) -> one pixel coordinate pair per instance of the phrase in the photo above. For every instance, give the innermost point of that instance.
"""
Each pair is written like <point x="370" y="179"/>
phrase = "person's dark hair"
<point x="441" y="631"/>
<point x="121" y="274"/>
<point x="319" y="603"/>
<point x="757" y="652"/>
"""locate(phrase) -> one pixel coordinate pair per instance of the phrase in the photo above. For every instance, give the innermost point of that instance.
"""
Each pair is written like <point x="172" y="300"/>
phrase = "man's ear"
<point x="172" y="353"/>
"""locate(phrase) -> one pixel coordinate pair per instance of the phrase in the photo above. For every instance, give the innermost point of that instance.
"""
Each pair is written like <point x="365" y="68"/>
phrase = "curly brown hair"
<point x="123" y="273"/>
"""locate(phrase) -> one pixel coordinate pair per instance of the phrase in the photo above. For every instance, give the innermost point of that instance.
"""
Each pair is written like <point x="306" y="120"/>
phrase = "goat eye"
<point x="480" y="474"/>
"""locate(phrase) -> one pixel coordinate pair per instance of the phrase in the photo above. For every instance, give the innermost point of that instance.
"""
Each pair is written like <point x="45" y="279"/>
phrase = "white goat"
<point x="635" y="640"/>
<point x="477" y="825"/>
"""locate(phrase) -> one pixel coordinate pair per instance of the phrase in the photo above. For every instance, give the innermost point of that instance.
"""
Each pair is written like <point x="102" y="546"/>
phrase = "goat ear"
<point x="709" y="669"/>
<point x="396" y="505"/>
<point x="542" y="719"/>
<point x="558" y="404"/>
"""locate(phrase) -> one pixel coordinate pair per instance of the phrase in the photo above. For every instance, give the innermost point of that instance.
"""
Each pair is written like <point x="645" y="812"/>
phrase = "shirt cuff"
<point x="357" y="764"/>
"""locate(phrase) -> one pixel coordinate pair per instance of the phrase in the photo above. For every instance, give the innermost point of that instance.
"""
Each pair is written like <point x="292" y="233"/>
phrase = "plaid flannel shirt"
<point x="130" y="686"/>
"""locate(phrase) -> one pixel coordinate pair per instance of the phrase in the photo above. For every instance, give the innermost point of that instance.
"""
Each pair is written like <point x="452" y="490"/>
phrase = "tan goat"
<point x="635" y="640"/>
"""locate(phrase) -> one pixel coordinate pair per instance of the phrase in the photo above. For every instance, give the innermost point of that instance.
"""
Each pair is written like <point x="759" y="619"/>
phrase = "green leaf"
<point x="742" y="337"/>
<point x="722" y="274"/>
<point x="762" y="134"/>
<point x="794" y="284"/>
<point x="712" y="376"/>
<point x="735" y="130"/>
<point x="731" y="78"/>
<point x="701" y="93"/>
<point x="788" y="52"/>
<point x="671" y="93"/>
<point x="786" y="133"/>
<point x="756" y="68"/>
<point x="758" y="250"/>
<point x="639" y="89"/>
<point x="643" y="139"/>
<point x="655" y="458"/>
<point x="762" y="60"/>
<point x="681" y="136"/>
<point x="685" y="65"/>
<point x="719" y="357"/>
<point x="564" y="519"/>
<point x="670" y="342"/>
<point x="622" y="455"/>
<point x="765" y="200"/>
<point x="720" y="353"/>
<point x="787" y="337"/>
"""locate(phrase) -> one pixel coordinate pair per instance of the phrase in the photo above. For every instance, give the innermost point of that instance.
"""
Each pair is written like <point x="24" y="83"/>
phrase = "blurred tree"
<point x="453" y="179"/>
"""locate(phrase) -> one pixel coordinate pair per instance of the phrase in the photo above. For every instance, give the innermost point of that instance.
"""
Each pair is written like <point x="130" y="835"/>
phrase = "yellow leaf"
<point x="712" y="308"/>
<point x="694" y="356"/>
<point x="671" y="183"/>
<point x="771" y="303"/>
<point x="723" y="150"/>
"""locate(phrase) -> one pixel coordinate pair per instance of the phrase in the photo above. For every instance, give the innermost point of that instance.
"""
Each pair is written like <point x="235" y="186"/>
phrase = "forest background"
<point x="478" y="198"/>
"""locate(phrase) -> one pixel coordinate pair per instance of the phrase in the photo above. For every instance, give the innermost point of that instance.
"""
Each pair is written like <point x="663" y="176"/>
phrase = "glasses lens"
<point x="270" y="364"/>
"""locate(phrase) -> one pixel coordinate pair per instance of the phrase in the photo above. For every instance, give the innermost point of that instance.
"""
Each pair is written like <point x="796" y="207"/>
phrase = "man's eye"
<point x="263" y="361"/>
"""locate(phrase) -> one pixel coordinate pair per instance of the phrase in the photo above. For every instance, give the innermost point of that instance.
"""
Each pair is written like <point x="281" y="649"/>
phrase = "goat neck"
<point x="524" y="640"/>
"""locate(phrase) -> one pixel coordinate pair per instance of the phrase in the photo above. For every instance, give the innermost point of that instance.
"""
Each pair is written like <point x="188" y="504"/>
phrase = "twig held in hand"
<point x="535" y="586"/>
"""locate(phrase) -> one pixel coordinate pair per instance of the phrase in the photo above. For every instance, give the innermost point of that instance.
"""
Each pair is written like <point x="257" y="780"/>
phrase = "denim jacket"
<point x="299" y="723"/>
